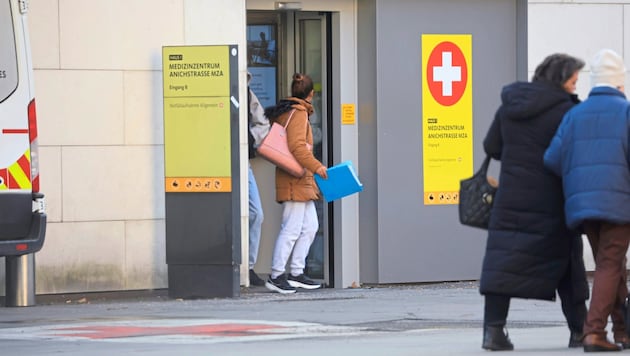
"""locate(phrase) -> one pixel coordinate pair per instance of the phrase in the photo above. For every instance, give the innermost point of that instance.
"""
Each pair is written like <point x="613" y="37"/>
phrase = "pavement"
<point x="422" y="319"/>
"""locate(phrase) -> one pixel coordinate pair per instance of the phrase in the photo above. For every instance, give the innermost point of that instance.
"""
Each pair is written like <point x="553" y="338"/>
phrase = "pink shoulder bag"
<point x="275" y="149"/>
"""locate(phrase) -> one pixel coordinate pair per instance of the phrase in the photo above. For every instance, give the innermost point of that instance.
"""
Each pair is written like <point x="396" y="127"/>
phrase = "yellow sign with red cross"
<point x="447" y="142"/>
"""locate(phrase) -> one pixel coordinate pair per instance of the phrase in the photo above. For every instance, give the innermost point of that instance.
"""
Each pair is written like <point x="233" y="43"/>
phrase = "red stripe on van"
<point x="14" y="131"/>
<point x="32" y="122"/>
<point x="11" y="182"/>
<point x="4" y="176"/>
<point x="25" y="165"/>
<point x="36" y="184"/>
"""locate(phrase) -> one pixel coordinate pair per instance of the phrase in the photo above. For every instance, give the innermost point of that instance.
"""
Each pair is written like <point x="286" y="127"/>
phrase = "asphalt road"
<point x="428" y="319"/>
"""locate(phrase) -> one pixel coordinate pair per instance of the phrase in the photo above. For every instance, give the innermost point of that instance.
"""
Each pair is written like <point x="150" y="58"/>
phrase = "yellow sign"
<point x="348" y="116"/>
<point x="447" y="142"/>
<point x="196" y="71"/>
<point x="197" y="136"/>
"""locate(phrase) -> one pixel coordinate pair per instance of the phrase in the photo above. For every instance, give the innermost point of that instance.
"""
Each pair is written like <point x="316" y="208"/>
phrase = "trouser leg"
<point x="292" y="221"/>
<point x="305" y="240"/>
<point x="494" y="318"/>
<point x="256" y="218"/>
<point x="495" y="310"/>
<point x="574" y="278"/>
<point x="617" y="315"/>
<point x="610" y="244"/>
<point x="574" y="310"/>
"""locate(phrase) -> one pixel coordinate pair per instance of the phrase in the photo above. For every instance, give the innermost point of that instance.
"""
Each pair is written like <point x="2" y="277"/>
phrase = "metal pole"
<point x="20" y="280"/>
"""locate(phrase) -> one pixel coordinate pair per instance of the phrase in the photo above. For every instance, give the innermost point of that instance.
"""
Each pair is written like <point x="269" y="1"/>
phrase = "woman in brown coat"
<point x="297" y="195"/>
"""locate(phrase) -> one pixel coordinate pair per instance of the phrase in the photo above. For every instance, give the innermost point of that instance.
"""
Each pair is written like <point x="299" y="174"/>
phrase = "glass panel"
<point x="311" y="64"/>
<point x="262" y="62"/>
<point x="310" y="56"/>
<point x="8" y="55"/>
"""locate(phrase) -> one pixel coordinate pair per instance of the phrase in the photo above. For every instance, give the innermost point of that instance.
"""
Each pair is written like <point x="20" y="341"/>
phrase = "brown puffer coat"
<point x="299" y="134"/>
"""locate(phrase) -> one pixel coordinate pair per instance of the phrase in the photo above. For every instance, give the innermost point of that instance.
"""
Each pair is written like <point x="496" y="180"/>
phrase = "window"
<point x="8" y="53"/>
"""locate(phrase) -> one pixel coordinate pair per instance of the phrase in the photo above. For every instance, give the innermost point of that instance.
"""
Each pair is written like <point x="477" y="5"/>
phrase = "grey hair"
<point x="557" y="69"/>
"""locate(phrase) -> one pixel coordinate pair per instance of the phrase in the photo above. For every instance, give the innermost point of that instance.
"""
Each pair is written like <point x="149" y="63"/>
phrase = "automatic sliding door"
<point x="310" y="52"/>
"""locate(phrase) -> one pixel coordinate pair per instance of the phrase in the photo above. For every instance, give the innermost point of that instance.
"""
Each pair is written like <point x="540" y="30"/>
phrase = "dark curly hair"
<point x="557" y="69"/>
<point x="301" y="86"/>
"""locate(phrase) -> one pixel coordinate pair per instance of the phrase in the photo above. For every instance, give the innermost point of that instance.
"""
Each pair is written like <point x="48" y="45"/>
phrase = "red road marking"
<point x="113" y="332"/>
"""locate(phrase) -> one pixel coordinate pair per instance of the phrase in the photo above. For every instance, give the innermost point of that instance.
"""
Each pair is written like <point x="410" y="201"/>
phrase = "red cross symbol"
<point x="447" y="73"/>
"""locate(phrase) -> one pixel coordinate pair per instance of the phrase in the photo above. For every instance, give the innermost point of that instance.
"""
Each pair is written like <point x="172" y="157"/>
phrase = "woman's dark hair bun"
<point x="301" y="86"/>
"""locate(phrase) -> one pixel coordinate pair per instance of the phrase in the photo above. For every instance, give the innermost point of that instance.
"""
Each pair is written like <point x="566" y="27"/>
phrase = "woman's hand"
<point x="322" y="172"/>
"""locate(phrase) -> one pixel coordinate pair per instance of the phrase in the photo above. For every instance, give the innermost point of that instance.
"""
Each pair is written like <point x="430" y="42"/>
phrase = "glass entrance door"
<point x="310" y="58"/>
<point x="280" y="44"/>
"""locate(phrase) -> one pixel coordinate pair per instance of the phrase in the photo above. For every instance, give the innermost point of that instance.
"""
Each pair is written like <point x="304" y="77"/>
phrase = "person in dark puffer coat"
<point x="590" y="151"/>
<point x="530" y="252"/>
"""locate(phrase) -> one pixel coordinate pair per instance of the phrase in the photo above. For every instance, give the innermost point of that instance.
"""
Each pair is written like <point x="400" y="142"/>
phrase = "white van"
<point x="22" y="216"/>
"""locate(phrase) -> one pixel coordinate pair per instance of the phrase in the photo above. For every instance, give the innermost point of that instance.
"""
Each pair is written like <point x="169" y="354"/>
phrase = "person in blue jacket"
<point x="590" y="152"/>
<point x="530" y="252"/>
<point x="258" y="125"/>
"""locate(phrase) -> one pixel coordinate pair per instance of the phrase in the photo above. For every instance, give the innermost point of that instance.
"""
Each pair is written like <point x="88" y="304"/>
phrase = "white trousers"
<point x="297" y="232"/>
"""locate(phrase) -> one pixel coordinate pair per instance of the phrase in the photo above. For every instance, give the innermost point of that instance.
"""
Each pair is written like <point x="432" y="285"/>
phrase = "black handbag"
<point x="475" y="198"/>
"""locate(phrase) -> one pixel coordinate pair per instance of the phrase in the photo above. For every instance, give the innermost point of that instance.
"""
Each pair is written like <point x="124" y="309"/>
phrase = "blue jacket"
<point x="590" y="152"/>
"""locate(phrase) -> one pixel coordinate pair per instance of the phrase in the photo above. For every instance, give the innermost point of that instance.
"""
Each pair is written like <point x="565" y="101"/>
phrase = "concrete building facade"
<point x="99" y="99"/>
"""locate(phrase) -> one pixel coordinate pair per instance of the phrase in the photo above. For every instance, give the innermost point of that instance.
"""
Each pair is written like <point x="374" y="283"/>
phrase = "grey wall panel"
<point x="367" y="103"/>
<point x="418" y="243"/>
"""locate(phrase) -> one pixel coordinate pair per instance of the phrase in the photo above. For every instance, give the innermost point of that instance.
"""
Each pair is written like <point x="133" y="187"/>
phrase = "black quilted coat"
<point x="529" y="248"/>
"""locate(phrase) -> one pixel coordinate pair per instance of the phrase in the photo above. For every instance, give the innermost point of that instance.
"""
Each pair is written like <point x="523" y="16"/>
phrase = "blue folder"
<point x="342" y="181"/>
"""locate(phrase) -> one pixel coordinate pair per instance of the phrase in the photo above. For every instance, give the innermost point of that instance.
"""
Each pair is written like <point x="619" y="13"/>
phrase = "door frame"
<point x="289" y="61"/>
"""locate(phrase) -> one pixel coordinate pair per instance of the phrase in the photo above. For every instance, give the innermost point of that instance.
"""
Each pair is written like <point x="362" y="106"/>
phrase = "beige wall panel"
<point x="81" y="257"/>
<point x="144" y="124"/>
<point x="50" y="181"/>
<point x="80" y="107"/>
<point x="113" y="183"/>
<point x="579" y="30"/>
<point x="216" y="22"/>
<point x="145" y="255"/>
<point x="118" y="34"/>
<point x="43" y="23"/>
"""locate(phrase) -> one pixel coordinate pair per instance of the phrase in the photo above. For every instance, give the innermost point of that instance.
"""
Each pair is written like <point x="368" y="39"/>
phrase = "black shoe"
<point x="254" y="279"/>
<point x="302" y="281"/>
<point x="279" y="285"/>
<point x="495" y="339"/>
<point x="575" y="340"/>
